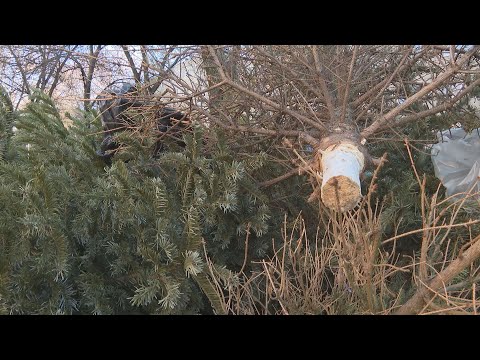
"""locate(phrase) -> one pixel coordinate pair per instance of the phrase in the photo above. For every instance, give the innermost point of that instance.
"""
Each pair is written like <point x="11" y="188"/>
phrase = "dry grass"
<point x="345" y="268"/>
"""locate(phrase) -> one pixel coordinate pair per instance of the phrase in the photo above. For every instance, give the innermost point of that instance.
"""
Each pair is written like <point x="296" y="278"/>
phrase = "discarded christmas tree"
<point x="81" y="237"/>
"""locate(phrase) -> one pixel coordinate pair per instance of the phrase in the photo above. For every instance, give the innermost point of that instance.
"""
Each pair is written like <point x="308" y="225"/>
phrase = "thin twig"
<point x="246" y="249"/>
<point x="468" y="223"/>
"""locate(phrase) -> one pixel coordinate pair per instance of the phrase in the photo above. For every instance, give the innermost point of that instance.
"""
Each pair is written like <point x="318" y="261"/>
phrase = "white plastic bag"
<point x="456" y="160"/>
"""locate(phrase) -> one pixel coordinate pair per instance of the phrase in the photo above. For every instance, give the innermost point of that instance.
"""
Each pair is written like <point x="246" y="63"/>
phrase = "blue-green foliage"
<point x="79" y="237"/>
<point x="7" y="116"/>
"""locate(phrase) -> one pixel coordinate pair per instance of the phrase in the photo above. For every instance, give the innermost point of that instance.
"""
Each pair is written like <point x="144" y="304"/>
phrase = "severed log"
<point x="342" y="159"/>
<point x="342" y="165"/>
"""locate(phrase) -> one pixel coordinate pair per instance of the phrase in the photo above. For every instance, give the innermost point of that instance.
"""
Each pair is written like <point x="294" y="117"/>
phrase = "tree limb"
<point x="382" y="120"/>
<point x="22" y="72"/>
<point x="434" y="110"/>
<point x="320" y="126"/>
<point x="56" y="77"/>
<point x="297" y="171"/>
<point x="323" y="85"/>
<point x="136" y="75"/>
<point x="294" y="133"/>
<point x="145" y="64"/>
<point x="417" y="301"/>
<point x="347" y="86"/>
<point x="380" y="87"/>
<point x="287" y="68"/>
<point x="384" y="83"/>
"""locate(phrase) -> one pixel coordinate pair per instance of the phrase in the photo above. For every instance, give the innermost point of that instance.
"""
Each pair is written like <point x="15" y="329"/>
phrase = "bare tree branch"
<point x="136" y="74"/>
<point x="22" y="71"/>
<point x="416" y="302"/>
<point x="320" y="126"/>
<point x="58" y="71"/>
<point x="323" y="85"/>
<point x="381" y="86"/>
<point x="380" y="121"/>
<point x="290" y="70"/>
<point x="434" y="110"/>
<point x="347" y="86"/>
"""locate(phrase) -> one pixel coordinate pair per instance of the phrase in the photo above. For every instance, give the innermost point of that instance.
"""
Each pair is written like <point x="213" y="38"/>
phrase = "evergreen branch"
<point x="210" y="292"/>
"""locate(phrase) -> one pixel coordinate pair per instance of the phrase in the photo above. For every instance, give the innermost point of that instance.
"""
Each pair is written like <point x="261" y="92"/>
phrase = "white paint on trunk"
<point x="342" y="165"/>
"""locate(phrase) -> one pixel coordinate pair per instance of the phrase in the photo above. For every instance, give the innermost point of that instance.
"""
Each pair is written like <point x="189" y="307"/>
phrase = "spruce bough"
<point x="78" y="237"/>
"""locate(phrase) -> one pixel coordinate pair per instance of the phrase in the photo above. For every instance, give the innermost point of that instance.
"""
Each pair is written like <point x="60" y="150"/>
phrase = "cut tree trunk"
<point x="342" y="159"/>
<point x="342" y="165"/>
